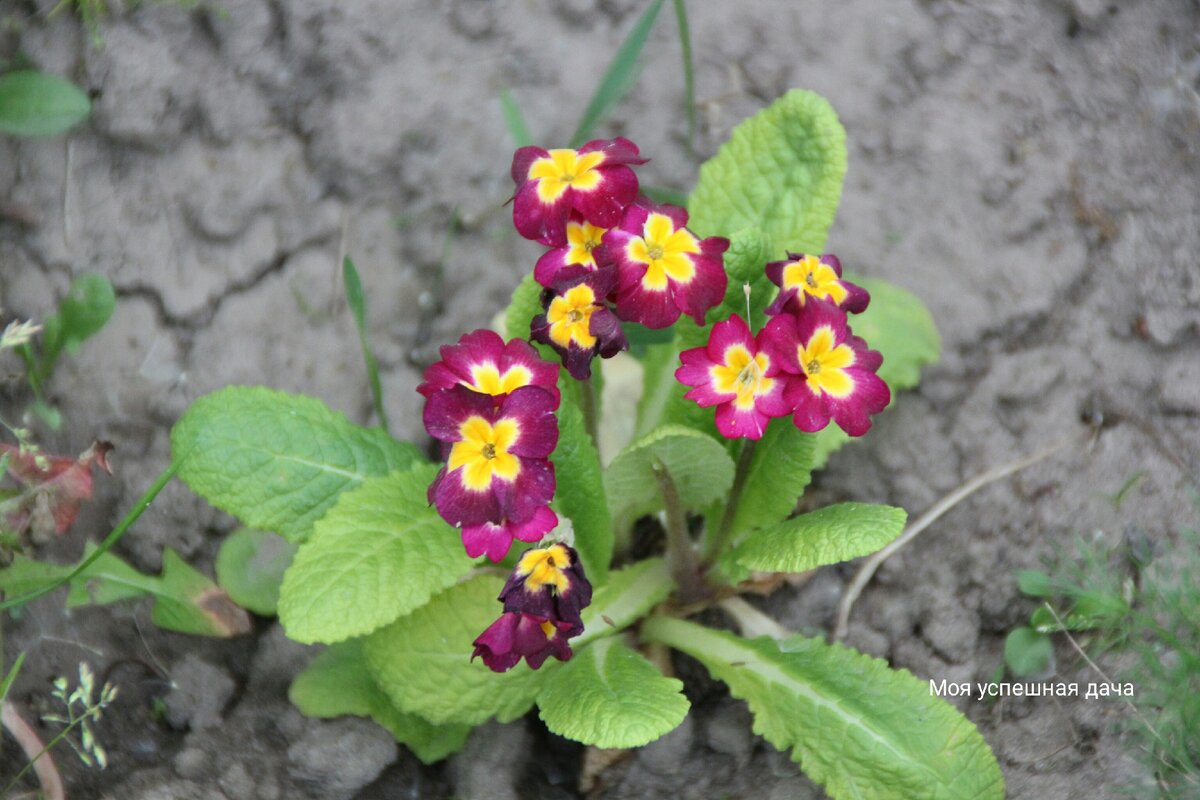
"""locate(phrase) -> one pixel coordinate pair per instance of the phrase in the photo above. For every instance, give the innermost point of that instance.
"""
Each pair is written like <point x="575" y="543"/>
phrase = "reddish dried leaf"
<point x="54" y="487"/>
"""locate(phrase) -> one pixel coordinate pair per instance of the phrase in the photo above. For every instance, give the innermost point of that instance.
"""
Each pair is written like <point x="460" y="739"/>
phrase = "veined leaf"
<point x="378" y="554"/>
<point x="780" y="468"/>
<point x="423" y="661"/>
<point x="337" y="683"/>
<point x="699" y="467"/>
<point x="580" y="493"/>
<point x="278" y="461"/>
<point x="34" y="103"/>
<point x="250" y="567"/>
<point x="781" y="172"/>
<point x="857" y="727"/>
<point x="828" y="535"/>
<point x="608" y="695"/>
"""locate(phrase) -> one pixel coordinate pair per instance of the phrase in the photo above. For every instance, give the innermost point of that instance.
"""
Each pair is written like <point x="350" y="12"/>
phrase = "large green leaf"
<point x="781" y="172"/>
<point x="526" y="304"/>
<point x="610" y="696"/>
<point x="184" y="600"/>
<point x="779" y="470"/>
<point x="580" y="493"/>
<point x="698" y="466"/>
<point x="828" y="535"/>
<point x="900" y="327"/>
<point x="378" y="554"/>
<point x="857" y="727"/>
<point x="278" y="461"/>
<point x="337" y="683"/>
<point x="423" y="661"/>
<point x="37" y="104"/>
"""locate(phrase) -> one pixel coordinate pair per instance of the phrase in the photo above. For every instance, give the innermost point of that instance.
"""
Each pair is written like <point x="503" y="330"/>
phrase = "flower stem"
<point x="721" y="538"/>
<point x="681" y="555"/>
<point x="587" y="404"/>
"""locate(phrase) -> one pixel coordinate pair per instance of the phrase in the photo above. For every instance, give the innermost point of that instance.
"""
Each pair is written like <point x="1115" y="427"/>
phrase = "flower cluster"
<point x="542" y="598"/>
<point x="806" y="362"/>
<point x="613" y="255"/>
<point x="491" y="406"/>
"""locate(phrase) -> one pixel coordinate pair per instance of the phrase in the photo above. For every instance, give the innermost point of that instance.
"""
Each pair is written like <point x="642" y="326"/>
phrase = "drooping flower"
<point x="583" y="242"/>
<point x="498" y="482"/>
<point x="830" y="371"/>
<point x="804" y="276"/>
<point x="663" y="268"/>
<point x="731" y="374"/>
<point x="594" y="180"/>
<point x="483" y="362"/>
<point x="549" y="582"/>
<point x="577" y="323"/>
<point x="515" y="636"/>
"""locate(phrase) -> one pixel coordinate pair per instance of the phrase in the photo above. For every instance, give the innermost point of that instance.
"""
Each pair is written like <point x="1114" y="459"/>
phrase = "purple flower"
<point x="548" y="582"/>
<point x="830" y="372"/>
<point x="577" y="323"/>
<point x="498" y="481"/>
<point x="731" y="374"/>
<point x="583" y="244"/>
<point x="483" y="362"/>
<point x="594" y="180"/>
<point x="802" y="277"/>
<point x="515" y="636"/>
<point x="663" y="269"/>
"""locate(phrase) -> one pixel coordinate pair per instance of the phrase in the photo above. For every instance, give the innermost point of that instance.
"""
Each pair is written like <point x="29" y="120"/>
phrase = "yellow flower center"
<point x="483" y="452"/>
<point x="582" y="239"/>
<point x="545" y="567"/>
<point x="666" y="252"/>
<point x="813" y="277"/>
<point x="562" y="170"/>
<point x="549" y="629"/>
<point x="486" y="378"/>
<point x="742" y="375"/>
<point x="570" y="317"/>
<point x="825" y="365"/>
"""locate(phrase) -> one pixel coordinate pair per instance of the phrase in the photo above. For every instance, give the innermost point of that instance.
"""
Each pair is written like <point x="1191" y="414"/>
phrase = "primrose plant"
<point x="505" y="578"/>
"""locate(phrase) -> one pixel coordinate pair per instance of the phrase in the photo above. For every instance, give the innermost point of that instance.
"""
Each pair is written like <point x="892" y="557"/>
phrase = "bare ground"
<point x="1030" y="169"/>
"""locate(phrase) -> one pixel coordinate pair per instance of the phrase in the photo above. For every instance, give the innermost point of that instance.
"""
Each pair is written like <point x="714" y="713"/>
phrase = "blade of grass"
<point x="689" y="76"/>
<point x="358" y="307"/>
<point x="12" y="676"/>
<point x="620" y="76"/>
<point x="514" y="120"/>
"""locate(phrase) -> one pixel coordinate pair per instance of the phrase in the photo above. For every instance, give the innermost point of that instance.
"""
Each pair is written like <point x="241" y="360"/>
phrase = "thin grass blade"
<point x="358" y="308"/>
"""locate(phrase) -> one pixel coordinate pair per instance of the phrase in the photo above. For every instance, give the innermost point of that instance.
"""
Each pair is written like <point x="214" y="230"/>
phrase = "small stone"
<point x="490" y="765"/>
<point x="199" y="694"/>
<point x="952" y="631"/>
<point x="337" y="758"/>
<point x="728" y="731"/>
<point x="668" y="755"/>
<point x="191" y="762"/>
<point x="1181" y="386"/>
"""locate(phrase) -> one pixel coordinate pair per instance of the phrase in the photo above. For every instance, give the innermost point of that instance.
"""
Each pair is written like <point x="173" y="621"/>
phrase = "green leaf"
<point x="514" y="120"/>
<point x="1028" y="653"/>
<point x="358" y="309"/>
<point x="278" y="461"/>
<point x="337" y="683"/>
<point x="184" y="599"/>
<point x="37" y="104"/>
<point x="858" y="728"/>
<point x="781" y="172"/>
<point x="620" y="76"/>
<point x="1034" y="583"/>
<point x="250" y="567"/>
<point x="525" y="305"/>
<point x="780" y="469"/>
<point x="85" y="310"/>
<point x="13" y="671"/>
<point x="378" y="554"/>
<point x="828" y="535"/>
<point x="900" y="327"/>
<point x="1091" y="610"/>
<point x="579" y="494"/>
<point x="423" y="661"/>
<point x="608" y="696"/>
<point x="700" y="468"/>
